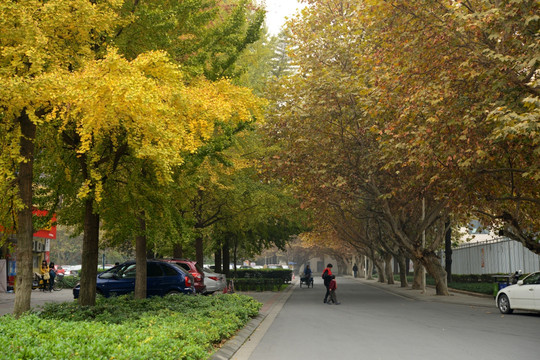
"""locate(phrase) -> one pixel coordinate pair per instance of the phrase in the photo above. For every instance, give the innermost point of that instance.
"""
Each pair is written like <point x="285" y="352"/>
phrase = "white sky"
<point x="277" y="10"/>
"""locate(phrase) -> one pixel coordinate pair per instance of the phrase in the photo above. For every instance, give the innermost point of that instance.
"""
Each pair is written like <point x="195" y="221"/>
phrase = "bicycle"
<point x="60" y="283"/>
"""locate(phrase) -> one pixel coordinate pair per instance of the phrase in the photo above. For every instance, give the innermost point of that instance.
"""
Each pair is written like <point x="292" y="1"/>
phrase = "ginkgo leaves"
<point x="143" y="107"/>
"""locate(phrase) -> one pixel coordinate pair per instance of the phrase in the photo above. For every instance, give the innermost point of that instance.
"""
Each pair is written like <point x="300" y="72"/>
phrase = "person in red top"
<point x="333" y="287"/>
<point x="327" y="276"/>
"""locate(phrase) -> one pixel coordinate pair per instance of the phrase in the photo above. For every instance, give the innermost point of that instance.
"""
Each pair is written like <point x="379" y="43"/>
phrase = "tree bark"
<point x="418" y="275"/>
<point x="361" y="267"/>
<point x="388" y="269"/>
<point x="140" y="260"/>
<point x="403" y="271"/>
<point x="448" y="252"/>
<point x="199" y="250"/>
<point x="435" y="269"/>
<point x="217" y="260"/>
<point x="369" y="275"/>
<point x="25" y="233"/>
<point x="87" y="296"/>
<point x="178" y="251"/>
<point x="226" y="257"/>
<point x="380" y="271"/>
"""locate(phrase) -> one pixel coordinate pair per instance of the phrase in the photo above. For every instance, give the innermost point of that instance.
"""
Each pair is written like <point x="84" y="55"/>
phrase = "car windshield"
<point x="122" y="271"/>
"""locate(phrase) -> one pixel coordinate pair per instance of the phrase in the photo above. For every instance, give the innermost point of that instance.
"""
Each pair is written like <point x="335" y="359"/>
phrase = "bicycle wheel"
<point x="57" y="286"/>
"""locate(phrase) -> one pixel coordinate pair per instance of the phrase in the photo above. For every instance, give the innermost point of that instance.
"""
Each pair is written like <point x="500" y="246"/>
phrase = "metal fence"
<point x="500" y="255"/>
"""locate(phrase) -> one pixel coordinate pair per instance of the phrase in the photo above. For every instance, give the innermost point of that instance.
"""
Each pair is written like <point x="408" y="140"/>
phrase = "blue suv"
<point x="162" y="279"/>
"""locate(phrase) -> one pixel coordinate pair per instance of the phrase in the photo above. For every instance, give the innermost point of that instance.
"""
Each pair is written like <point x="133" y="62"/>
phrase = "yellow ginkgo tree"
<point x="38" y="41"/>
<point x="114" y="109"/>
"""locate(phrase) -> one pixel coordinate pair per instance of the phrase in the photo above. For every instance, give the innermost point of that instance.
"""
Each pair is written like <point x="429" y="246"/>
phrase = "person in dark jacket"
<point x="355" y="270"/>
<point x="52" y="275"/>
<point x="327" y="277"/>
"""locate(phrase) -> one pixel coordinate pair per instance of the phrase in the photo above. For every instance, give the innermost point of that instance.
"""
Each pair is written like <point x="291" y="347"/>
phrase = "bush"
<point x="258" y="284"/>
<point x="69" y="281"/>
<point x="284" y="274"/>
<point x="173" y="327"/>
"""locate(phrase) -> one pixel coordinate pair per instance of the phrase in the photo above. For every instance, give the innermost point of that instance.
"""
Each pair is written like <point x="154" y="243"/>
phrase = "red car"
<point x="194" y="269"/>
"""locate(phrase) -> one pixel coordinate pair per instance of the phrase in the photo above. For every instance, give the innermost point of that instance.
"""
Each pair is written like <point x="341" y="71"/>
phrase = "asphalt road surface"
<point x="372" y="323"/>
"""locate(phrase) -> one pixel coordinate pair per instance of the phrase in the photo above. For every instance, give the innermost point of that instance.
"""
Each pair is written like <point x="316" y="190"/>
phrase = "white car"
<point x="525" y="295"/>
<point x="214" y="281"/>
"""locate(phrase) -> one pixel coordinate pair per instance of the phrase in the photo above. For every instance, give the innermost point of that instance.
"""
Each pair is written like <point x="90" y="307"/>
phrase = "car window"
<point x="532" y="279"/>
<point x="183" y="266"/>
<point x="127" y="272"/>
<point x="199" y="268"/>
<point x="168" y="270"/>
<point x="109" y="274"/>
<point x="153" y="270"/>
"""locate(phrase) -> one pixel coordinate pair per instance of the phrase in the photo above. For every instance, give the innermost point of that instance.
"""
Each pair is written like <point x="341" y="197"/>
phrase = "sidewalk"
<point x="456" y="296"/>
<point x="38" y="298"/>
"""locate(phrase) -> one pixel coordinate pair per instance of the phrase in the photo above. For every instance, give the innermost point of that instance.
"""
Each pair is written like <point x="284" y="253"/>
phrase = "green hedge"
<point x="259" y="284"/>
<point x="173" y="327"/>
<point x="284" y="274"/>
<point x="69" y="281"/>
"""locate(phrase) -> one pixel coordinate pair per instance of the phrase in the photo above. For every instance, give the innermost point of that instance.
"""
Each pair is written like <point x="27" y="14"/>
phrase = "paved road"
<point x="375" y="323"/>
<point x="38" y="298"/>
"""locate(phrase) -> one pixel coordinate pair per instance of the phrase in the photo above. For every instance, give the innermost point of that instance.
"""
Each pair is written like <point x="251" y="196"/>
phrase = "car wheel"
<point x="174" y="292"/>
<point x="504" y="304"/>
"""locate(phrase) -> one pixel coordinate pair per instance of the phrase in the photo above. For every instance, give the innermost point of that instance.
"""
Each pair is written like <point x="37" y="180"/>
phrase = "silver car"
<point x="214" y="281"/>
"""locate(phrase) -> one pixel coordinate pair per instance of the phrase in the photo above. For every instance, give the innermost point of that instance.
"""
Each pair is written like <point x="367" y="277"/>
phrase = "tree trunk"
<point x="226" y="257"/>
<point x="235" y="254"/>
<point x="217" y="260"/>
<point x="380" y="271"/>
<point x="403" y="271"/>
<point x="178" y="251"/>
<point x="361" y="267"/>
<point x="448" y="252"/>
<point x="87" y="296"/>
<point x="140" y="260"/>
<point x="388" y="269"/>
<point x="418" y="275"/>
<point x="435" y="269"/>
<point x="199" y="250"/>
<point x="24" y="217"/>
<point x="369" y="275"/>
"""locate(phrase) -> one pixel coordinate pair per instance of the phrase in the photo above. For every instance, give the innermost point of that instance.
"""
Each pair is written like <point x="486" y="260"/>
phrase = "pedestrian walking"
<point x="327" y="277"/>
<point x="355" y="270"/>
<point x="333" y="287"/>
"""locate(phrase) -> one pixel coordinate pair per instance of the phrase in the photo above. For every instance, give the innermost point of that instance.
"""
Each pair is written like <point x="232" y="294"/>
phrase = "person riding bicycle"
<point x="307" y="272"/>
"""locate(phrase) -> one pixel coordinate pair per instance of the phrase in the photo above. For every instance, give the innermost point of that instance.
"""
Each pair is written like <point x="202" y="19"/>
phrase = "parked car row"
<point x="164" y="276"/>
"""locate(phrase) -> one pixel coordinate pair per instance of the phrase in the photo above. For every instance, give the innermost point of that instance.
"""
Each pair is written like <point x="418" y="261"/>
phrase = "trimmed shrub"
<point x="172" y="327"/>
<point x="284" y="274"/>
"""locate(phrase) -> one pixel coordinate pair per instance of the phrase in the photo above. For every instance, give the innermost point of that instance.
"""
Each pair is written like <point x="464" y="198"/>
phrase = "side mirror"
<point x="520" y="282"/>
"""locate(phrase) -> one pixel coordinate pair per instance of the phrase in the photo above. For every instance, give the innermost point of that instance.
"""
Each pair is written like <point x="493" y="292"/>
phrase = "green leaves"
<point x="173" y="327"/>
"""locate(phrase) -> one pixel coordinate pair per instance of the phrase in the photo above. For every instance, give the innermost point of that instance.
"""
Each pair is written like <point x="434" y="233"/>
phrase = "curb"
<point x="232" y="345"/>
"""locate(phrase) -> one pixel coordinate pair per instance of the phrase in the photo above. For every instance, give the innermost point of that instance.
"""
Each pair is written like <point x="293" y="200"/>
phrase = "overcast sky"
<point x="277" y="10"/>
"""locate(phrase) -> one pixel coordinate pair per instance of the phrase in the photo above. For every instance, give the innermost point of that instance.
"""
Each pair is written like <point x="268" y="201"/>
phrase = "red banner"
<point x="50" y="232"/>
